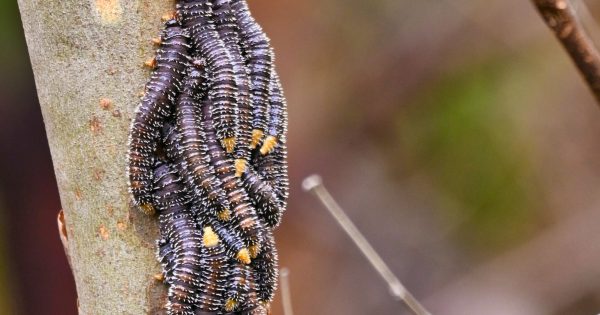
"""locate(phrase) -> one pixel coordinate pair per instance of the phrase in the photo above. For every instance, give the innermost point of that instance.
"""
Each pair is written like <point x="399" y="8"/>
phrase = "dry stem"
<point x="561" y="18"/>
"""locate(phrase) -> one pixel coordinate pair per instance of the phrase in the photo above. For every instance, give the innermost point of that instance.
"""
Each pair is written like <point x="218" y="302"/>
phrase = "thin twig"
<point x="315" y="185"/>
<point x="561" y="18"/>
<point x="285" y="292"/>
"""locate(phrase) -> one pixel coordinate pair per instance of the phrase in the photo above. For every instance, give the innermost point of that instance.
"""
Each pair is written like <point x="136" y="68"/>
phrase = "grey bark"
<point x="87" y="58"/>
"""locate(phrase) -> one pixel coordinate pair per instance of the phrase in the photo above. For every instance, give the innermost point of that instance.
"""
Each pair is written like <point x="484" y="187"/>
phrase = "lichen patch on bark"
<point x="110" y="11"/>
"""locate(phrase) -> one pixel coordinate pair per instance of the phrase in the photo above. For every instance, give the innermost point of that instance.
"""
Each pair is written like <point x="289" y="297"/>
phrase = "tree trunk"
<point x="87" y="59"/>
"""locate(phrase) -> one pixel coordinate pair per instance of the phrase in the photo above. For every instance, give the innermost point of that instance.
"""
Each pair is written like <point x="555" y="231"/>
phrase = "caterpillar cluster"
<point x="207" y="152"/>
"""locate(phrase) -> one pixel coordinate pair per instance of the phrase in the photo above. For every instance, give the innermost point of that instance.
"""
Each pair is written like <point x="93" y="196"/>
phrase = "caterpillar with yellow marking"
<point x="208" y="154"/>
<point x="259" y="58"/>
<point x="243" y="212"/>
<point x="227" y="27"/>
<point x="278" y="120"/>
<point x="197" y="16"/>
<point x="268" y="184"/>
<point x="207" y="210"/>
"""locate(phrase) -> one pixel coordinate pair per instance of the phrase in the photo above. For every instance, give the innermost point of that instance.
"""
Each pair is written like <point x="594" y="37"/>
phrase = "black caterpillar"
<point x="157" y="104"/>
<point x="207" y="152"/>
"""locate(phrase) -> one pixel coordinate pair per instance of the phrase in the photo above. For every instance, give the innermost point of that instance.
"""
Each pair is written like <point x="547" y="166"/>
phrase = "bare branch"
<point x="561" y="18"/>
<point x="314" y="184"/>
<point x="286" y="296"/>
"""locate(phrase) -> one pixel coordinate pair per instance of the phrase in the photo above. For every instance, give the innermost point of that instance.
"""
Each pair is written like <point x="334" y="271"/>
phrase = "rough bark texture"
<point x="87" y="59"/>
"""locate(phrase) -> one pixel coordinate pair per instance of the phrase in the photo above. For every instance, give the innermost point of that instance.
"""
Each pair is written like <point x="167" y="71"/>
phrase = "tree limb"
<point x="561" y="18"/>
<point x="87" y="59"/>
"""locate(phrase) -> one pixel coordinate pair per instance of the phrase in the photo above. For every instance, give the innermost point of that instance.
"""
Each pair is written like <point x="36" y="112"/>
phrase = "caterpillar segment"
<point x="268" y="204"/>
<point x="207" y="152"/>
<point x="171" y="139"/>
<point x="178" y="227"/>
<point x="259" y="59"/>
<point x="213" y="277"/>
<point x="192" y="148"/>
<point x="278" y="120"/>
<point x="237" y="286"/>
<point x="266" y="270"/>
<point x="267" y="183"/>
<point x="244" y="215"/>
<point x="155" y="107"/>
<point x="225" y="21"/>
<point x="231" y="238"/>
<point x="198" y="17"/>
<point x="164" y="254"/>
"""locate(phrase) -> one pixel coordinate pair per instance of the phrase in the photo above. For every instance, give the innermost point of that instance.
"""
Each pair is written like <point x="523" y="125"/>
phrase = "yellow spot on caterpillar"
<point x="148" y="208"/>
<point x="244" y="256"/>
<point x="159" y="277"/>
<point x="156" y="41"/>
<point x="268" y="145"/>
<point x="210" y="238"/>
<point x="230" y="305"/>
<point x="228" y="144"/>
<point x="150" y="63"/>
<point x="224" y="215"/>
<point x="240" y="167"/>
<point x="257" y="134"/>
<point x="254" y="250"/>
<point x="110" y="11"/>
<point x="168" y="16"/>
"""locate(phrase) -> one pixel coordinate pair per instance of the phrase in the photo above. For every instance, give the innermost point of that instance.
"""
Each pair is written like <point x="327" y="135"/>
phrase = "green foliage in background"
<point x="13" y="52"/>
<point x="13" y="55"/>
<point x="464" y="135"/>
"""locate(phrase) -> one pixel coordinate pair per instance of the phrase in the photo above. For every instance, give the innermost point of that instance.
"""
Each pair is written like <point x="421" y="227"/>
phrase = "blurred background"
<point x="456" y="133"/>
